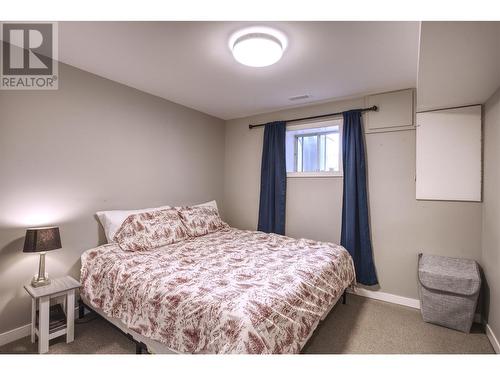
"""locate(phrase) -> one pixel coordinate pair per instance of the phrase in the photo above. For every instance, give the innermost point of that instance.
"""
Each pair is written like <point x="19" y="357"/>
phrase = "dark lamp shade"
<point x="42" y="239"/>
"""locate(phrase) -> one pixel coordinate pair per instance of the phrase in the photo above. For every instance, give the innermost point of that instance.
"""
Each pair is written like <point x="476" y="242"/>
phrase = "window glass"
<point x="314" y="149"/>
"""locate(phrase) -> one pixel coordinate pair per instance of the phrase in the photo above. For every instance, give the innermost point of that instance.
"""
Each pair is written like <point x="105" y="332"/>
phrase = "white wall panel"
<point x="449" y="154"/>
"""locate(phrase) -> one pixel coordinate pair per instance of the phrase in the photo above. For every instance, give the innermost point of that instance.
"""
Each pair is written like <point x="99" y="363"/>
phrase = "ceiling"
<point x="459" y="63"/>
<point x="190" y="63"/>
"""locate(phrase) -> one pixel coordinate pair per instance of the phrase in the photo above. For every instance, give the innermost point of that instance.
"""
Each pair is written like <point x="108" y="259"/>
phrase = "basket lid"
<point x="453" y="275"/>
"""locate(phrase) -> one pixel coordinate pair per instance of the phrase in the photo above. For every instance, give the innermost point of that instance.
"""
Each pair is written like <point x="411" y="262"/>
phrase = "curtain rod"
<point x="374" y="108"/>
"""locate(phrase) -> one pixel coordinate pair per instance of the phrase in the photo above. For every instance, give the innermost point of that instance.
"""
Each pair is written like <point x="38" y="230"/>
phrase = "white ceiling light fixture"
<point x="258" y="46"/>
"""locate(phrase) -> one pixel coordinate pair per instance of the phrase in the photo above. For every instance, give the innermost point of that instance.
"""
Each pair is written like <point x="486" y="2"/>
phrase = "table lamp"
<point x="41" y="240"/>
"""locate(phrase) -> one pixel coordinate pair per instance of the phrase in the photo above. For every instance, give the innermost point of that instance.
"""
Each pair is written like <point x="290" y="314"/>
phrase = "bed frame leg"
<point x="138" y="348"/>
<point x="81" y="309"/>
<point x="344" y="298"/>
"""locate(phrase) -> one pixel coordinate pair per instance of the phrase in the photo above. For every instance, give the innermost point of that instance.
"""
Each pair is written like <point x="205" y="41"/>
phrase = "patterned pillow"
<point x="149" y="230"/>
<point x="201" y="220"/>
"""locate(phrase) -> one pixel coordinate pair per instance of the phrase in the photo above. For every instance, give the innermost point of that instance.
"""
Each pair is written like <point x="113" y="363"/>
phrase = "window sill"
<point x="313" y="175"/>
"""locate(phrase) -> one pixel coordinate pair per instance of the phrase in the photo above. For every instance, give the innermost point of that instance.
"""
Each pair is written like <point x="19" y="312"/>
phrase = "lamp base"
<point x="42" y="278"/>
<point x="40" y="281"/>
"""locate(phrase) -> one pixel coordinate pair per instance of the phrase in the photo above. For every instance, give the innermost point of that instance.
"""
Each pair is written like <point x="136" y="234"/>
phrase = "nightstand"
<point x="44" y="330"/>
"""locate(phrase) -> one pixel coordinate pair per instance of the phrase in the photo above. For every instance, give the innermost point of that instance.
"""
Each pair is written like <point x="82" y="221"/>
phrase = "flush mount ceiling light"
<point x="257" y="46"/>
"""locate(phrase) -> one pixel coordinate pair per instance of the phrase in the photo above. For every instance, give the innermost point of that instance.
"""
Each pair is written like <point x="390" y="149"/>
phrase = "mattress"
<point x="232" y="291"/>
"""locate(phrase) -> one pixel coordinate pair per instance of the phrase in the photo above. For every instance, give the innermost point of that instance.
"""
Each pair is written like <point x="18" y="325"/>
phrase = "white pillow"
<point x="208" y="204"/>
<point x="111" y="221"/>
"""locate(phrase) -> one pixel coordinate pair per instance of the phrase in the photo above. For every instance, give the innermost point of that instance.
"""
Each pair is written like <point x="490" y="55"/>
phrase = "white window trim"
<point x="312" y="124"/>
<point x="321" y="124"/>
<point x="314" y="174"/>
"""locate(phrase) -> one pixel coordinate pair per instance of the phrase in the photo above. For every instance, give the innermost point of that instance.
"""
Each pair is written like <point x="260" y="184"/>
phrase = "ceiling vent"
<point x="299" y="97"/>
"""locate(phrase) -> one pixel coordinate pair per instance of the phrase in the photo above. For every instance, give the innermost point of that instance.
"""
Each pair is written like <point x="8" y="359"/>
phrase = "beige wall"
<point x="401" y="226"/>
<point x="93" y="144"/>
<point x="491" y="212"/>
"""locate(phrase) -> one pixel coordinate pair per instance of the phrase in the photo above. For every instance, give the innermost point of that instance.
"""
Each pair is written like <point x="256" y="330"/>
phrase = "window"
<point x="314" y="149"/>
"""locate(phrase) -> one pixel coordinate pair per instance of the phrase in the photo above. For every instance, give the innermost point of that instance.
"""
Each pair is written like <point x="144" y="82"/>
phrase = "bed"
<point x="230" y="291"/>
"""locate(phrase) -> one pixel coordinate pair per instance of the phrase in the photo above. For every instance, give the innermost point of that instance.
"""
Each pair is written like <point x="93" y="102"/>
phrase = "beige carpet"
<point x="361" y="326"/>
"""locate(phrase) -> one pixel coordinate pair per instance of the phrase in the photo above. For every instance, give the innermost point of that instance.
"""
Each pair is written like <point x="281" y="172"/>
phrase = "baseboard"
<point x="23" y="331"/>
<point x="15" y="334"/>
<point x="386" y="297"/>
<point x="493" y="339"/>
<point x="398" y="300"/>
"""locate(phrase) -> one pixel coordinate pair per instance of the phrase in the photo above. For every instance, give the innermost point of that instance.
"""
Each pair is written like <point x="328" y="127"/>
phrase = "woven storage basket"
<point x="449" y="289"/>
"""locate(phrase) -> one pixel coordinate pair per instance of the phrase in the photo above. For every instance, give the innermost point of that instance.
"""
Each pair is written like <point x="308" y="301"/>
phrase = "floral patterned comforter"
<point x="232" y="291"/>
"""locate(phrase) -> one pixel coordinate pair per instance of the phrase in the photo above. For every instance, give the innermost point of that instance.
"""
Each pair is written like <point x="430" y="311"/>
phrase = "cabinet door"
<point x="395" y="111"/>
<point x="449" y="154"/>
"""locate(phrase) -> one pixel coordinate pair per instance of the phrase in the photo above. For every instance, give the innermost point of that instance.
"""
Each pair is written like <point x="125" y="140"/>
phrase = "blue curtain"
<point x="355" y="235"/>
<point x="273" y="179"/>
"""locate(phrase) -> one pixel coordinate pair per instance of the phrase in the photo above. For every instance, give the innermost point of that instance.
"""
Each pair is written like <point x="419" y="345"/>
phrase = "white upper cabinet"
<point x="449" y="154"/>
<point x="396" y="111"/>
